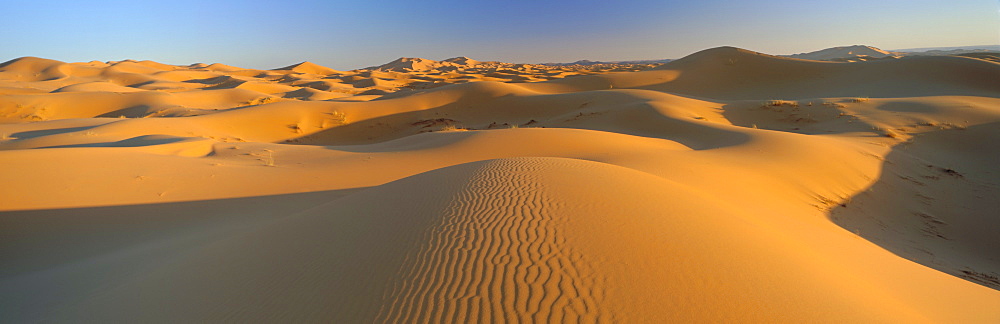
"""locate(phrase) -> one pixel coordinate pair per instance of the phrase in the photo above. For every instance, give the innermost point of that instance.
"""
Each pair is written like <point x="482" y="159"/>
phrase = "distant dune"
<point x="973" y="48"/>
<point x="589" y="62"/>
<point x="857" y="53"/>
<point x="725" y="186"/>
<point x="310" y="68"/>
<point x="845" y="52"/>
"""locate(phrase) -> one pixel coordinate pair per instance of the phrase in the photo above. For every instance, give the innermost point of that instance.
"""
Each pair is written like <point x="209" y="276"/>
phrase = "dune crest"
<point x="311" y="68"/>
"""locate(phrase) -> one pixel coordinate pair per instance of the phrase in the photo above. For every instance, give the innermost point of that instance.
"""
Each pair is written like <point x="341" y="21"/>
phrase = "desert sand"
<point x="727" y="186"/>
<point x="848" y="54"/>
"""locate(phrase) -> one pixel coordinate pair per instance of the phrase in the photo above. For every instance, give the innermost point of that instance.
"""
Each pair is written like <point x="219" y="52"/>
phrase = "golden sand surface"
<point x="727" y="186"/>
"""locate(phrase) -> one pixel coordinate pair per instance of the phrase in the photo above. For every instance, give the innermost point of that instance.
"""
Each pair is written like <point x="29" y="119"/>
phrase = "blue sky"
<point x="354" y="34"/>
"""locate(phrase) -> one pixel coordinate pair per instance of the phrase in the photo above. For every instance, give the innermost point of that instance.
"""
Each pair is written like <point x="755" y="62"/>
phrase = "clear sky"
<point x="355" y="34"/>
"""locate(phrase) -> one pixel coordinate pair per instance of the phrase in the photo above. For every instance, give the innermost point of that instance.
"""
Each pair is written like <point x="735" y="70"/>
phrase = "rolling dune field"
<point x="726" y="186"/>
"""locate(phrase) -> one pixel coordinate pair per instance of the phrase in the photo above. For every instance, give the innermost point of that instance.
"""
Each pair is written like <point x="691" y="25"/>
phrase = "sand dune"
<point x="727" y="186"/>
<point x="847" y="53"/>
<point x="736" y="74"/>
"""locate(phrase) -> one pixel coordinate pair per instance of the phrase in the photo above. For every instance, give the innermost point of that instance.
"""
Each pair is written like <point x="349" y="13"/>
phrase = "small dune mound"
<point x="310" y="68"/>
<point x="313" y="94"/>
<point x="157" y="65"/>
<point x="406" y="64"/>
<point x="229" y="82"/>
<point x="462" y="60"/>
<point x="97" y="86"/>
<point x="131" y="66"/>
<point x="32" y="69"/>
<point x="411" y="64"/>
<point x="169" y="145"/>
<point x="28" y="63"/>
<point x="222" y="67"/>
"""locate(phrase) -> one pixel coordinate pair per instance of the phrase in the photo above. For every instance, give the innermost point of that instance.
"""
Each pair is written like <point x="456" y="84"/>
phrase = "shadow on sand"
<point x="936" y="204"/>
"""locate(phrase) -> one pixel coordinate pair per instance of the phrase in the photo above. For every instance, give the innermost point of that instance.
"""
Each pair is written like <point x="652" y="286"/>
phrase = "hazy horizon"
<point x="349" y="35"/>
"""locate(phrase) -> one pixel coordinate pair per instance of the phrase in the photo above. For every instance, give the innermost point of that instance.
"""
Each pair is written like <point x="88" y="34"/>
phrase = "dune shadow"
<point x="908" y="107"/>
<point x="138" y="141"/>
<point x="129" y="112"/>
<point x="808" y="120"/>
<point x="32" y="240"/>
<point x="814" y="117"/>
<point x="935" y="205"/>
<point x="51" y="131"/>
<point x="618" y="112"/>
<point x="140" y="84"/>
<point x="389" y="130"/>
<point x="212" y="80"/>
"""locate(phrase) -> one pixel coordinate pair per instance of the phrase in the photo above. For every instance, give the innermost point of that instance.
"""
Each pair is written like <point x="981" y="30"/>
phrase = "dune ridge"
<point x="728" y="185"/>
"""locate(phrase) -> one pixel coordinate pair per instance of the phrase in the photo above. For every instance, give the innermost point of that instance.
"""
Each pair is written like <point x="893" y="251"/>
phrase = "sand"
<point x="727" y="186"/>
<point x="848" y="54"/>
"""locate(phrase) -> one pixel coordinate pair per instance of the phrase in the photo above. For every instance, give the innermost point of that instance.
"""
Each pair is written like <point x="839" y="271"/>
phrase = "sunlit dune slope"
<point x="734" y="74"/>
<point x="727" y="186"/>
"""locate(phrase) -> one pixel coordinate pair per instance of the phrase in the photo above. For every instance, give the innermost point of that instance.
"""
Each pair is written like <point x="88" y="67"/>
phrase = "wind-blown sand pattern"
<point x="727" y="186"/>
<point x="497" y="254"/>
